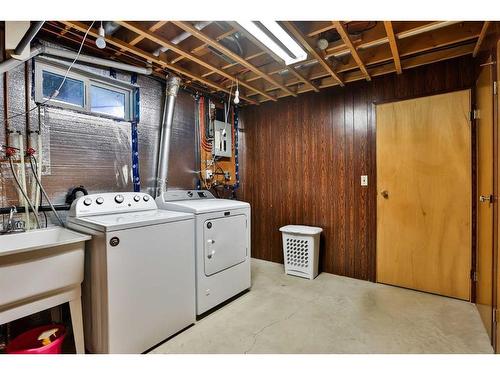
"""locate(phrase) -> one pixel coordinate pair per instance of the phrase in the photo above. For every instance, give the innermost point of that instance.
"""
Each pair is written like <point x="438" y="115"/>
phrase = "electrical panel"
<point x="222" y="145"/>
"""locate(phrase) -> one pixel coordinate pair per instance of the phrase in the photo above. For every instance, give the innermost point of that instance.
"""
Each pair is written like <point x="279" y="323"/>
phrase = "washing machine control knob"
<point x="137" y="198"/>
<point x="87" y="202"/>
<point x="99" y="200"/>
<point x="119" y="198"/>
<point x="146" y="198"/>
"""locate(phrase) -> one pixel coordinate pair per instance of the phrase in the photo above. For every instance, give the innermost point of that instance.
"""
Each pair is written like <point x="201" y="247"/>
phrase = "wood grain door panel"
<point x="424" y="222"/>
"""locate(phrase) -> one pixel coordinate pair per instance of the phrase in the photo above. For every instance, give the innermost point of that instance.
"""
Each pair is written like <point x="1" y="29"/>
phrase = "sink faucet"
<point x="13" y="225"/>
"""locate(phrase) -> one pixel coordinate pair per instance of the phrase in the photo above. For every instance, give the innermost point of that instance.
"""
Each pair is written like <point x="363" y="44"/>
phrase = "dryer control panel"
<point x="182" y="195"/>
<point x="110" y="203"/>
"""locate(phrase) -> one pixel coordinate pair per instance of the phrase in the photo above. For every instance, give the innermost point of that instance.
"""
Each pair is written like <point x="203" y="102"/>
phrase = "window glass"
<point x="71" y="92"/>
<point x="107" y="101"/>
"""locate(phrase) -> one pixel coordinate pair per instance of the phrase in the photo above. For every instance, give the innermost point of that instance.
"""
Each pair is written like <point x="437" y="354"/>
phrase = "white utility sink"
<point x="37" y="264"/>
<point x="41" y="269"/>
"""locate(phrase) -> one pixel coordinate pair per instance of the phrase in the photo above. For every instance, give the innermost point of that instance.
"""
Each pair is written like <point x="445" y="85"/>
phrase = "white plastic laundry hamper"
<point x="301" y="250"/>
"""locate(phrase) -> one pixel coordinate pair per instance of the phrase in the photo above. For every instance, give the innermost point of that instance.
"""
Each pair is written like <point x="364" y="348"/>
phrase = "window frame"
<point x="89" y="79"/>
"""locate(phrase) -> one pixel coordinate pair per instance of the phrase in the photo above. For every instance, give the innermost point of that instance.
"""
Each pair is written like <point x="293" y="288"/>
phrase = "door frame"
<point x="473" y="176"/>
<point x="496" y="173"/>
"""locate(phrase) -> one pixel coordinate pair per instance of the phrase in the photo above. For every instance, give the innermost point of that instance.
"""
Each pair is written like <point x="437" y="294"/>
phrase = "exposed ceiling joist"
<point x="150" y="57"/>
<point x="303" y="40"/>
<point x="382" y="48"/>
<point x="179" y="50"/>
<point x="226" y="51"/>
<point x="341" y="29"/>
<point x="394" y="46"/>
<point x="452" y="34"/>
<point x="277" y="59"/>
<point x="139" y="38"/>
<point x="408" y="63"/>
<point x="203" y="46"/>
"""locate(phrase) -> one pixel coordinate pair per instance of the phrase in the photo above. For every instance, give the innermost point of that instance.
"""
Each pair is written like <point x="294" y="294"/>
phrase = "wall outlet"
<point x="364" y="180"/>
<point x="208" y="174"/>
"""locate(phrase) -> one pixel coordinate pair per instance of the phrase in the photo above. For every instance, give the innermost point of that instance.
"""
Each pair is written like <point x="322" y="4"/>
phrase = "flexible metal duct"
<point x="173" y="83"/>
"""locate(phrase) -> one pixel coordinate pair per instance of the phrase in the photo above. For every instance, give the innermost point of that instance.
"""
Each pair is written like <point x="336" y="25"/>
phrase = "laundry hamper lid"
<point x="301" y="229"/>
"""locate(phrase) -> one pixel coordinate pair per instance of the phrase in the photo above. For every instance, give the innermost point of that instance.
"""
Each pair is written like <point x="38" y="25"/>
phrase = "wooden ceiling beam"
<point x="409" y="63"/>
<point x="181" y="51"/>
<point x="451" y="34"/>
<point x="394" y="46"/>
<point x="318" y="27"/>
<point x="481" y="38"/>
<point x="150" y="57"/>
<point x="341" y="29"/>
<point x="140" y="38"/>
<point x="307" y="44"/>
<point x="226" y="51"/>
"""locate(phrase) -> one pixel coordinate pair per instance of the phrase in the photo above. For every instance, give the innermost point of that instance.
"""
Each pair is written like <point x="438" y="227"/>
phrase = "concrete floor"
<point x="332" y="314"/>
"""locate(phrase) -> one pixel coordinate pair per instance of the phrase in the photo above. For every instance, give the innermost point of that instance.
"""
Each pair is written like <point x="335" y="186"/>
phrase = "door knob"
<point x="384" y="194"/>
<point x="211" y="254"/>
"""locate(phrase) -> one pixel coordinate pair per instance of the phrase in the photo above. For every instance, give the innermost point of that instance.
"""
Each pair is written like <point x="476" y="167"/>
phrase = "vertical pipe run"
<point x="173" y="83"/>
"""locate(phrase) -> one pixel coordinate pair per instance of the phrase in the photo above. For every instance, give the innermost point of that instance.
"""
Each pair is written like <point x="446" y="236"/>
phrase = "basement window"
<point x="83" y="91"/>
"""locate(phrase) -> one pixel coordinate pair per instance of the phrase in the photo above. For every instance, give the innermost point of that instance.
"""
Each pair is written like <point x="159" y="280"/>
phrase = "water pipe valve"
<point x="10" y="151"/>
<point x="30" y="151"/>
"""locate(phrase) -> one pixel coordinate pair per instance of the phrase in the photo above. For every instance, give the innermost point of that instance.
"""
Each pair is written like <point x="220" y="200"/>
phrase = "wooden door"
<point x="484" y="255"/>
<point x="424" y="194"/>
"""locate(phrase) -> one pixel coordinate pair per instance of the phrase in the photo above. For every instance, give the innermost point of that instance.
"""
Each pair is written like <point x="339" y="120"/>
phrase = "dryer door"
<point x="225" y="242"/>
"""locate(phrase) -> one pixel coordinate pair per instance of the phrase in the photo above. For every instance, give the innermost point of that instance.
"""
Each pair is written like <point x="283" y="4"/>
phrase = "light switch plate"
<point x="364" y="180"/>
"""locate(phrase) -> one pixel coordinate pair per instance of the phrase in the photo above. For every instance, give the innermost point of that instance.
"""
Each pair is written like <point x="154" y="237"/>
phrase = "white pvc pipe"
<point x="22" y="175"/>
<point x="39" y="172"/>
<point x="95" y="60"/>
<point x="11" y="63"/>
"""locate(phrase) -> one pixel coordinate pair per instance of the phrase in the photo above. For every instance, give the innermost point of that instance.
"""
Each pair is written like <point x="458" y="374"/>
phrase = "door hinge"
<point x="495" y="315"/>
<point x="473" y="275"/>
<point x="474" y="114"/>
<point x="495" y="88"/>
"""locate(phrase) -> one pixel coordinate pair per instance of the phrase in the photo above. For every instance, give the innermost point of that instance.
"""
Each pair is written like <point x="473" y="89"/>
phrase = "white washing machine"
<point x="222" y="244"/>
<point x="139" y="286"/>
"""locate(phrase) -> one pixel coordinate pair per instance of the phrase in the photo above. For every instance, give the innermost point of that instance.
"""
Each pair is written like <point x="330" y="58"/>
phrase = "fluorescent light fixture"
<point x="295" y="52"/>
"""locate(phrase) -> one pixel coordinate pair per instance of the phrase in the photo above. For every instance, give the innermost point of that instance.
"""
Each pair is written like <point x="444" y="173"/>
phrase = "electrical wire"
<point x="56" y="91"/>
<point x="23" y="192"/>
<point x="44" y="192"/>
<point x="226" y="113"/>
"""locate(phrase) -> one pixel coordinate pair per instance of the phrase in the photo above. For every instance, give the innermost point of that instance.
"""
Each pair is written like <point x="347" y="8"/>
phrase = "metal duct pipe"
<point x="28" y="37"/>
<point x="173" y="83"/>
<point x="110" y="27"/>
<point x="95" y="60"/>
<point x="179" y="38"/>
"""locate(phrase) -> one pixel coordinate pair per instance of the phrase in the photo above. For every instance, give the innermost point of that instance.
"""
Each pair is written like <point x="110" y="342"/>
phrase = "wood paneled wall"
<point x="302" y="158"/>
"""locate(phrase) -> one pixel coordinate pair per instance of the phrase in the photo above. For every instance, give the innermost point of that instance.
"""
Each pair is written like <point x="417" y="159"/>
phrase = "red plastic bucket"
<point x="28" y="343"/>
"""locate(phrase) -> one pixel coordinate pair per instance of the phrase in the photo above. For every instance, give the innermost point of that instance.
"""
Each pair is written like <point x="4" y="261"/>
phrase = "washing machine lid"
<point x="126" y="220"/>
<point x="199" y="206"/>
